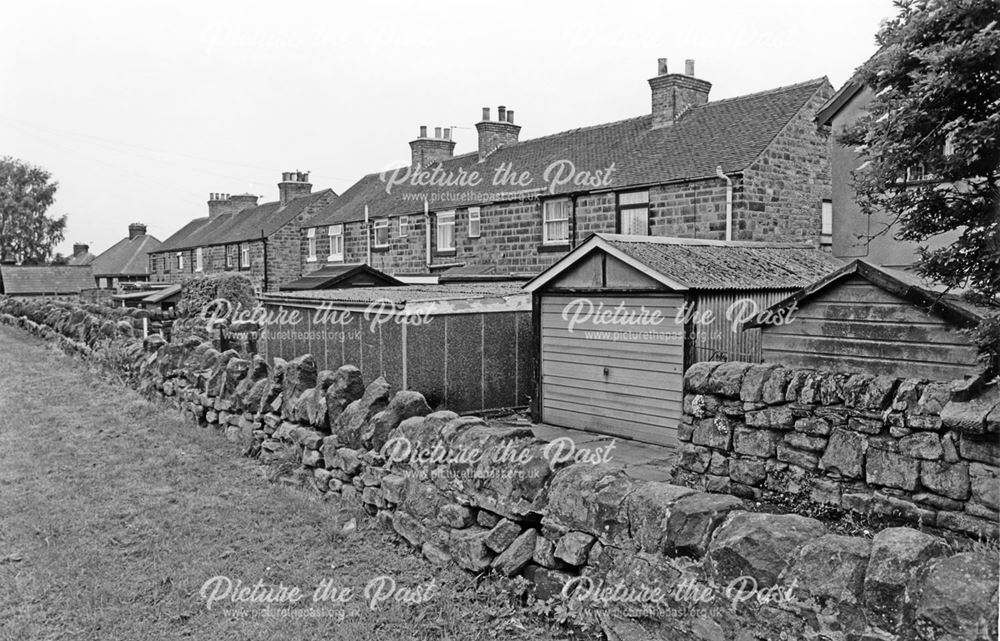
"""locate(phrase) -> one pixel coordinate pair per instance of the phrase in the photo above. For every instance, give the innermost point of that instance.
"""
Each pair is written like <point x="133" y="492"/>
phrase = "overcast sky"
<point x="140" y="109"/>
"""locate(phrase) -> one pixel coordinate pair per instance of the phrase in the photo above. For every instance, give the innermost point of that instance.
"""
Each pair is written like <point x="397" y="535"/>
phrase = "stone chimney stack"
<point x="427" y="151"/>
<point x="136" y="229"/>
<point x="80" y="249"/>
<point x="219" y="203"/>
<point x="239" y="202"/>
<point x="675" y="93"/>
<point x="494" y="134"/>
<point x="294" y="184"/>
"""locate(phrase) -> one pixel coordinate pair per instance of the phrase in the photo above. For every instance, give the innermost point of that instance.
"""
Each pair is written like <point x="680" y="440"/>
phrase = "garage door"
<point x="619" y="378"/>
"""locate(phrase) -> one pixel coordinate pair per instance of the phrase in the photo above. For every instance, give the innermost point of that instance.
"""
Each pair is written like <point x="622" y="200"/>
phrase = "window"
<point x="446" y="231"/>
<point x="474" y="224"/>
<point x="633" y="213"/>
<point x="336" y="234"/>
<point x="382" y="232"/>
<point x="826" y="230"/>
<point x="311" y="241"/>
<point x="245" y="255"/>
<point x="231" y="251"/>
<point x="199" y="258"/>
<point x="404" y="226"/>
<point x="180" y="261"/>
<point x="555" y="222"/>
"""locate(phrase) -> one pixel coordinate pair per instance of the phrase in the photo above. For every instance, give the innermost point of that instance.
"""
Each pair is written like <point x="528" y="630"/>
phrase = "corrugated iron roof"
<point x="731" y="133"/>
<point x="703" y="264"/>
<point x="45" y="279"/>
<point x="129" y="256"/>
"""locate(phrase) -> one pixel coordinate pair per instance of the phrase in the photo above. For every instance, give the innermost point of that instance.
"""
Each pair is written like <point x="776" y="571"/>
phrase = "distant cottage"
<point x="751" y="168"/>
<point x="238" y="235"/>
<point x="127" y="261"/>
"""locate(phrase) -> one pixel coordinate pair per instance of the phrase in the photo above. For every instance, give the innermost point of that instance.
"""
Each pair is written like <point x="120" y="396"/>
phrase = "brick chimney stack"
<point x="219" y="203"/>
<point x="294" y="184"/>
<point x="674" y="93"/>
<point x="429" y="150"/>
<point x="136" y="229"/>
<point x="80" y="249"/>
<point x="494" y="134"/>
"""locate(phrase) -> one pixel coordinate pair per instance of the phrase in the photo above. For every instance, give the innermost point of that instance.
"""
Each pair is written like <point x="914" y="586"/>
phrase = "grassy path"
<point x="114" y="513"/>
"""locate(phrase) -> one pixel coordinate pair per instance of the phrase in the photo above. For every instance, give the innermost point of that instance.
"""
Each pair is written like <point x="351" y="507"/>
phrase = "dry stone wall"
<point x="642" y="557"/>
<point x="905" y="448"/>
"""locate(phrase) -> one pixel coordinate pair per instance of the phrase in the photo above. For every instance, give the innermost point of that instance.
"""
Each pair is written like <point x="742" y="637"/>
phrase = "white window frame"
<point x="630" y="203"/>
<point x="336" y="235"/>
<point x="244" y="255"/>
<point x="826" y="223"/>
<point x="380" y="224"/>
<point x="404" y="226"/>
<point x="180" y="261"/>
<point x="311" y="244"/>
<point x="445" y="220"/>
<point x="199" y="260"/>
<point x="475" y="222"/>
<point x="549" y="208"/>
<point x="231" y="257"/>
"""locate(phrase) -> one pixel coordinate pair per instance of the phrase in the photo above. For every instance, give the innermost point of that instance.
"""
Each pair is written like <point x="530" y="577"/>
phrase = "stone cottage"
<point x="238" y="235"/>
<point x="752" y="168"/>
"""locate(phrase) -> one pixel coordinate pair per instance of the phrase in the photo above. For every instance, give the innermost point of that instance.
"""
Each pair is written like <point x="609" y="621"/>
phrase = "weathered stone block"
<point x="394" y="488"/>
<point x="845" y="454"/>
<point x="747" y="471"/>
<point x="697" y="376"/>
<point x="976" y="527"/>
<point x="812" y="426"/>
<point x="985" y="483"/>
<point x="545" y="552"/>
<point x="468" y="548"/>
<point x="806" y="442"/>
<point x="692" y="521"/>
<point x="865" y="425"/>
<point x="647" y="510"/>
<point x="752" y="388"/>
<point x="755" y="442"/>
<point x="517" y="555"/>
<point x="409" y="527"/>
<point x="924" y="445"/>
<point x="788" y="454"/>
<point x="896" y="555"/>
<point x="831" y="567"/>
<point x="775" y="386"/>
<point x="955" y="597"/>
<point x="714" y="432"/>
<point x="574" y="547"/>
<point x="982" y="449"/>
<point x="502" y="535"/>
<point x="951" y="480"/>
<point x="456" y="516"/>
<point x="695" y="458"/>
<point x="760" y="545"/>
<point x="726" y="379"/>
<point x="435" y="553"/>
<point x="891" y="470"/>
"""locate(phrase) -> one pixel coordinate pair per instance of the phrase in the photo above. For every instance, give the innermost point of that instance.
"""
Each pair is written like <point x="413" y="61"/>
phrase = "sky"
<point x="141" y="109"/>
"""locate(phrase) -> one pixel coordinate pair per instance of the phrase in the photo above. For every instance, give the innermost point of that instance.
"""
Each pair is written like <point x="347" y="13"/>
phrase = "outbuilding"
<point x="619" y="319"/>
<point x="868" y="319"/>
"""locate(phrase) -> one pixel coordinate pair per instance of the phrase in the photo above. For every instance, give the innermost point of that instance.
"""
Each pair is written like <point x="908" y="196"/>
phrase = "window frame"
<point x="311" y="245"/>
<point x="475" y="215"/>
<point x="199" y="260"/>
<point x="180" y="261"/>
<point x="404" y="226"/>
<point x="826" y="222"/>
<point x="377" y="225"/>
<point x="232" y="256"/>
<point x="335" y="257"/>
<point x="245" y="253"/>
<point x="546" y="221"/>
<point x="621" y="208"/>
<point x="443" y="219"/>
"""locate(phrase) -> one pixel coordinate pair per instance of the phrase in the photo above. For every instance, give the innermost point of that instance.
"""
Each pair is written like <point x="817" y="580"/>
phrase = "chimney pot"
<point x="293" y="185"/>
<point x="437" y="132"/>
<point x="423" y="131"/>
<point x="502" y="113"/>
<point x="510" y="116"/>
<point x="136" y="229"/>
<point x="689" y="67"/>
<point x="661" y="67"/>
<point x="486" y="113"/>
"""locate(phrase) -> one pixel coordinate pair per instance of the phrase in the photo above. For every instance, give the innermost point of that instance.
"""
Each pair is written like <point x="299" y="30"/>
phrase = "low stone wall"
<point x="905" y="448"/>
<point x="641" y="557"/>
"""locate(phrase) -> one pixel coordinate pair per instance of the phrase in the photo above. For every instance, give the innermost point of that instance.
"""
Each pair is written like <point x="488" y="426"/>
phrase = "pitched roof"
<point x="250" y="224"/>
<point x="340" y="276"/>
<point x="129" y="256"/>
<point x="687" y="263"/>
<point x="45" y="279"/>
<point x="731" y="133"/>
<point x="907" y="285"/>
<point x="81" y="259"/>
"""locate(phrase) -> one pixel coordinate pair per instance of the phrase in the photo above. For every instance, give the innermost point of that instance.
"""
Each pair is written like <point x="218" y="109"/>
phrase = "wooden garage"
<point x="620" y="318"/>
<point x="876" y="320"/>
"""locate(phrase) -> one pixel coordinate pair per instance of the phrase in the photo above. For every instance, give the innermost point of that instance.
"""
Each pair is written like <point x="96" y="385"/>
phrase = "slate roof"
<point x="250" y="224"/>
<point x="689" y="263"/>
<point x="127" y="257"/>
<point x="731" y="133"/>
<point x="341" y="276"/>
<point x="82" y="259"/>
<point x="45" y="279"/>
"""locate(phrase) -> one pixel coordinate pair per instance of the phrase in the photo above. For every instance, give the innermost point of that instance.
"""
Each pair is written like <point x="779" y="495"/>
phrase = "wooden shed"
<point x="619" y="319"/>
<point x="875" y="320"/>
<point x="464" y="346"/>
<point x="341" y="277"/>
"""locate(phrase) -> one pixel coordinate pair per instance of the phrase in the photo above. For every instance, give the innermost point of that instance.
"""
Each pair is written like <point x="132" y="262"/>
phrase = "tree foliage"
<point x="27" y="234"/>
<point x="931" y="136"/>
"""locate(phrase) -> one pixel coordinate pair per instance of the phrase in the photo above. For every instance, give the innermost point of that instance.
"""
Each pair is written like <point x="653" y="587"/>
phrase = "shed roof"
<point x="730" y="133"/>
<point x="250" y="224"/>
<point x="689" y="263"/>
<point x="340" y="276"/>
<point x="129" y="256"/>
<point x="907" y="285"/>
<point x="45" y="279"/>
<point x="401" y="295"/>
